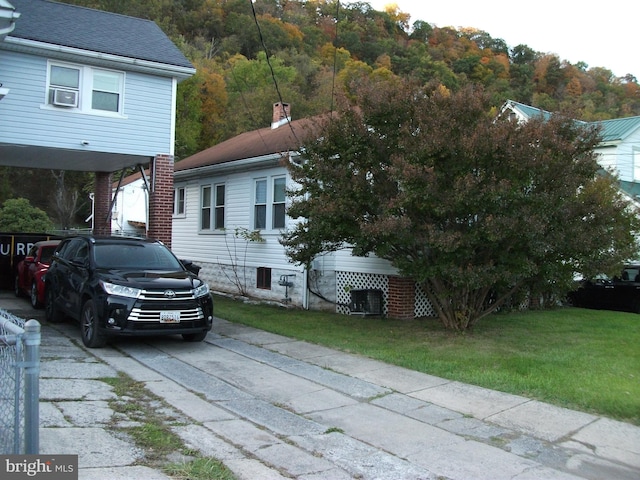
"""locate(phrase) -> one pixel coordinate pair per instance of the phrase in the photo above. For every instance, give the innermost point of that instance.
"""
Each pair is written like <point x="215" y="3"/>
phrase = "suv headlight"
<point x="120" y="290"/>
<point x="201" y="291"/>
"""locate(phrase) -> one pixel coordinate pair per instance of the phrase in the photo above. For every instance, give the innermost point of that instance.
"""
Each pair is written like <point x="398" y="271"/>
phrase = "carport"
<point x="119" y="113"/>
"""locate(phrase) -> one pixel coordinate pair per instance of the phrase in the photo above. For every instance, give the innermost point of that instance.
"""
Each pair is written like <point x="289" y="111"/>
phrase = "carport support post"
<point x="161" y="198"/>
<point x="102" y="204"/>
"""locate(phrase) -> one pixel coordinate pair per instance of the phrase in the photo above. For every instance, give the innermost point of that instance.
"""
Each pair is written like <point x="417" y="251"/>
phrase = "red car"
<point x="31" y="269"/>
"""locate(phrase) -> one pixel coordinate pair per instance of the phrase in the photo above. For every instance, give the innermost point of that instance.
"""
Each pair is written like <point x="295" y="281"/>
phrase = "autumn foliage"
<point x="474" y="207"/>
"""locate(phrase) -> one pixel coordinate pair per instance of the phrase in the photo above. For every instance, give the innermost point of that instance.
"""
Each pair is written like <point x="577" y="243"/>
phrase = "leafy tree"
<point x="65" y="200"/>
<point x="251" y="84"/>
<point x="5" y="184"/>
<point x="18" y="215"/>
<point x="474" y="208"/>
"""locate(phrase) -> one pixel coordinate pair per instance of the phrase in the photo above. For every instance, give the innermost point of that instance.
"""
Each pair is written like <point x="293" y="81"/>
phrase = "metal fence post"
<point x="32" y="339"/>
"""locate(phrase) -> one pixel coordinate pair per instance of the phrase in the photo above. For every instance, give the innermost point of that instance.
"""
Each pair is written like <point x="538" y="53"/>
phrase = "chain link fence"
<point x="19" y="385"/>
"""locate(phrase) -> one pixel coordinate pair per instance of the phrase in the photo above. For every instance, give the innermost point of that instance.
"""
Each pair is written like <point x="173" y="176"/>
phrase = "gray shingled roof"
<point x="94" y="30"/>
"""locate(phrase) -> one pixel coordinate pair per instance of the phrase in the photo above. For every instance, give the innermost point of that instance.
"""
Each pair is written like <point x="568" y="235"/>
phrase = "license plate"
<point x="170" y="317"/>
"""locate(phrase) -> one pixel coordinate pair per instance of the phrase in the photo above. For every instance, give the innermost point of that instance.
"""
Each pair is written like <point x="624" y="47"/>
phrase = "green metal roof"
<point x="613" y="130"/>
<point x="529" y="111"/>
<point x="618" y="128"/>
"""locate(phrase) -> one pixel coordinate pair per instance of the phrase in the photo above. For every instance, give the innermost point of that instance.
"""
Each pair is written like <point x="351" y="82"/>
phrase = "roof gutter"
<point x="233" y="166"/>
<point x="104" y="59"/>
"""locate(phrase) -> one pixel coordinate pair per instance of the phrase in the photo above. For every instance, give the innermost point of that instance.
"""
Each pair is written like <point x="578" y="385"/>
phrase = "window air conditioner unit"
<point x="366" y="302"/>
<point x="64" y="98"/>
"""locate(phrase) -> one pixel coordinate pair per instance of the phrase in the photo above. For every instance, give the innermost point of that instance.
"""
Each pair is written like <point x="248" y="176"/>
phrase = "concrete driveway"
<point x="271" y="407"/>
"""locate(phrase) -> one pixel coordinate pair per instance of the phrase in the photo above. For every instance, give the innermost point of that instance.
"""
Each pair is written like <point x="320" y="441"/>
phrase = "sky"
<point x="598" y="34"/>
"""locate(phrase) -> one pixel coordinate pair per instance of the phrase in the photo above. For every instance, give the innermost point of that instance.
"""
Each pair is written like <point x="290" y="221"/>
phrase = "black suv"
<point x="617" y="293"/>
<point x="125" y="286"/>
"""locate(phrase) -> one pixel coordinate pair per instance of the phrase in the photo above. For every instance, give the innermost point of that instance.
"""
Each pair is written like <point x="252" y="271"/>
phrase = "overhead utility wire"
<point x="335" y="58"/>
<point x="273" y="75"/>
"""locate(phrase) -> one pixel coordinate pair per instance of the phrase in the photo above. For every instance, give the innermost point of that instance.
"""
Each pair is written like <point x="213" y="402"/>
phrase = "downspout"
<point x="145" y="180"/>
<point x="8" y="15"/>
<point x="305" y="288"/>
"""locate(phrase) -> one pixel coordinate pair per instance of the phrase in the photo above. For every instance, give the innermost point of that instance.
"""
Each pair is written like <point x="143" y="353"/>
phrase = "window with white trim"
<point x="212" y="206"/>
<point x="636" y="166"/>
<point x="269" y="211"/>
<point x="205" y="208"/>
<point x="178" y="201"/>
<point x="260" y="205"/>
<point x="279" y="197"/>
<point x="219" y="209"/>
<point x="86" y="89"/>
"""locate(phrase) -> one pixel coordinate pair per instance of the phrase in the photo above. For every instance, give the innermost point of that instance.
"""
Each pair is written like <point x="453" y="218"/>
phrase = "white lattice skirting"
<point x="347" y="281"/>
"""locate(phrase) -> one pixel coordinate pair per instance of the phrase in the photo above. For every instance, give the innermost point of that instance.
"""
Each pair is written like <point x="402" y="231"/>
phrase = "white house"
<point x="237" y="187"/>
<point x="619" y="150"/>
<point x="129" y="214"/>
<point x="89" y="90"/>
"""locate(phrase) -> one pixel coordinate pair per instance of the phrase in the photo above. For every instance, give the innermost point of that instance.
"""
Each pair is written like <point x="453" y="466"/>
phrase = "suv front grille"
<point x="160" y="295"/>
<point x="146" y="315"/>
<point x="151" y="302"/>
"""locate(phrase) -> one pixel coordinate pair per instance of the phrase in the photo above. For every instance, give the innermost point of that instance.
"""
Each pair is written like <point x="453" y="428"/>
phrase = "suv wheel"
<point x="34" y="296"/>
<point x="89" y="326"/>
<point x="52" y="314"/>
<point x="195" y="337"/>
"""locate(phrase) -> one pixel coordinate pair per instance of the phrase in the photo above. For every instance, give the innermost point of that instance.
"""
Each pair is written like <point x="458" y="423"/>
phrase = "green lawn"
<point x="588" y="360"/>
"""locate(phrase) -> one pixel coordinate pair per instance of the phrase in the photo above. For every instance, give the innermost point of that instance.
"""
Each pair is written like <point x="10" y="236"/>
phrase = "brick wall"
<point x="161" y="198"/>
<point x="101" y="204"/>
<point x="402" y="298"/>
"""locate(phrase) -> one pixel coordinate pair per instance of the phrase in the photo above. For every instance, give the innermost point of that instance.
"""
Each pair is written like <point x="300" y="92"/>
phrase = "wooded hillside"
<point x="249" y="55"/>
<point x="316" y="46"/>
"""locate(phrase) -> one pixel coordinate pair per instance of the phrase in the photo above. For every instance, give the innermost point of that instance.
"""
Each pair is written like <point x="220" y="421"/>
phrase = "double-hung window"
<point x="178" y="201"/>
<point x="278" y="217"/>
<point x="205" y="208"/>
<point x="105" y="94"/>
<point x="212" y="205"/>
<point x="260" y="205"/>
<point x="269" y="203"/>
<point x="85" y="89"/>
<point x="219" y="209"/>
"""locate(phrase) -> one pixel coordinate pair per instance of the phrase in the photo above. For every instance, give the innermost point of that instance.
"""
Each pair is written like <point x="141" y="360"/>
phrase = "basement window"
<point x="264" y="278"/>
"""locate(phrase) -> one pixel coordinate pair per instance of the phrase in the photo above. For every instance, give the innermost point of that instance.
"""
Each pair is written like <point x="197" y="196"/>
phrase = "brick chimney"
<point x="281" y="114"/>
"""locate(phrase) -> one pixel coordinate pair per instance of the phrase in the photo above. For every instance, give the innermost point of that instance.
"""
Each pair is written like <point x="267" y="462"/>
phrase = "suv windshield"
<point x="142" y="256"/>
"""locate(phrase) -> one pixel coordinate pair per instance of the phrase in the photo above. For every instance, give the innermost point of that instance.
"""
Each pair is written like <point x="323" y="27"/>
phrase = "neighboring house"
<point x="239" y="186"/>
<point x="619" y="151"/>
<point x="130" y="203"/>
<point x="88" y="90"/>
